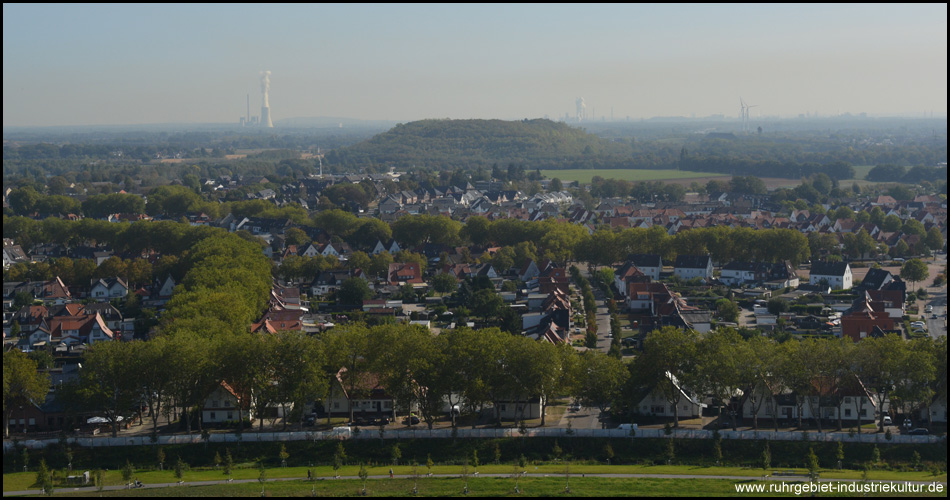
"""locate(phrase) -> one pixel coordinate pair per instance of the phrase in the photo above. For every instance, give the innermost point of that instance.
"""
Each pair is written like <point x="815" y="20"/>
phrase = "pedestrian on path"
<point x="390" y="473"/>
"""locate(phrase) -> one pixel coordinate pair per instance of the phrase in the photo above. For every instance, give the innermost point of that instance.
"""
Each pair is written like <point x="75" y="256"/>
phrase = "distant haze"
<point x="137" y="64"/>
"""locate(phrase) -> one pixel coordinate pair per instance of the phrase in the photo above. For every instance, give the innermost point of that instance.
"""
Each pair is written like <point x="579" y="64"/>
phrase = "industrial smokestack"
<point x="265" y="107"/>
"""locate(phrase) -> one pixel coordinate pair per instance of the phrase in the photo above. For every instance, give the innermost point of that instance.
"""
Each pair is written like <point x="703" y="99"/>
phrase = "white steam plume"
<point x="265" y="86"/>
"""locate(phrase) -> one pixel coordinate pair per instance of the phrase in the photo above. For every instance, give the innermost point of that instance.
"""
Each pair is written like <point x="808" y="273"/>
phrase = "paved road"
<point x="305" y="483"/>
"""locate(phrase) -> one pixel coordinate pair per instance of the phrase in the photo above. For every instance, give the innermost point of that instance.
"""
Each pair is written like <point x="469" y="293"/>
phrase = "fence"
<point x="467" y="433"/>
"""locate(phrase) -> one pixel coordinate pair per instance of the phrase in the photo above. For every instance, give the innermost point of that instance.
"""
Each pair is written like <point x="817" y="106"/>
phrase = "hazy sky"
<point x="133" y="64"/>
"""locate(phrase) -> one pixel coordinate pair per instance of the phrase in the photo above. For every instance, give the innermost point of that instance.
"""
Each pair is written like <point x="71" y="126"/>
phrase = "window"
<point x="336" y="405"/>
<point x="230" y="416"/>
<point x="657" y="409"/>
<point x="847" y="412"/>
<point x="213" y="417"/>
<point x="503" y="407"/>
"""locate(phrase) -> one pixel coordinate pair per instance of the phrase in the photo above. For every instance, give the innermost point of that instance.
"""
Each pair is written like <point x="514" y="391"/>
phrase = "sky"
<point x="76" y="64"/>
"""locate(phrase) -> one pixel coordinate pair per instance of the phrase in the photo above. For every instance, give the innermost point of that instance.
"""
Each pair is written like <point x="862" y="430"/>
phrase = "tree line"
<point x="477" y="368"/>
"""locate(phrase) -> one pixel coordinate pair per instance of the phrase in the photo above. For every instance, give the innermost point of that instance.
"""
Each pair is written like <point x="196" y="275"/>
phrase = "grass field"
<point x="634" y="175"/>
<point x="584" y="176"/>
<point x="554" y="485"/>
<point x="26" y="480"/>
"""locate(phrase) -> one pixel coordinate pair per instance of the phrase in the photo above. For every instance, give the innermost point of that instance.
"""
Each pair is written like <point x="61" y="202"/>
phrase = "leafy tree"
<point x="598" y="379"/>
<point x="914" y="270"/>
<point x="363" y="475"/>
<point x="728" y="310"/>
<point x="127" y="472"/>
<point x="934" y="239"/>
<point x="669" y="358"/>
<point x="811" y="461"/>
<point x="180" y="469"/>
<point x="395" y="454"/>
<point x="22" y="384"/>
<point x="892" y="223"/>
<point x="296" y="236"/>
<point x="766" y="456"/>
<point x="354" y="291"/>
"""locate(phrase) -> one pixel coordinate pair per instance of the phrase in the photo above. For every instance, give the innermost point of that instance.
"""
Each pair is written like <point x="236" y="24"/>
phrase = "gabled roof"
<point x="692" y="262"/>
<point x="829" y="268"/>
<point x="645" y="260"/>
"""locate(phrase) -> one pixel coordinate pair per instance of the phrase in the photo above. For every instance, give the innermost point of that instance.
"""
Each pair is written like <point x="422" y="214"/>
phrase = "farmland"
<point x="585" y="175"/>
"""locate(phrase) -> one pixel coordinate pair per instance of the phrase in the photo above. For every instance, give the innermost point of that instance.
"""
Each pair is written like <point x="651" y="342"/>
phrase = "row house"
<point x="390" y="246"/>
<point x="52" y="292"/>
<point x="849" y="400"/>
<point x="862" y="320"/>
<point x="774" y="274"/>
<point x="83" y="329"/>
<point x="687" y="267"/>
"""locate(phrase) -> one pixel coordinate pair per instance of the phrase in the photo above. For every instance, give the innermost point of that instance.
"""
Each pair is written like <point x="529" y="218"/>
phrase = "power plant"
<point x="265" y="120"/>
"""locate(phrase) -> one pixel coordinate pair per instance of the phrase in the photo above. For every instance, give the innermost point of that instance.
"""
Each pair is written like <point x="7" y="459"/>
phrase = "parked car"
<point x="929" y="308"/>
<point x="413" y="420"/>
<point x="920" y="431"/>
<point x="574" y="407"/>
<point x="887" y="420"/>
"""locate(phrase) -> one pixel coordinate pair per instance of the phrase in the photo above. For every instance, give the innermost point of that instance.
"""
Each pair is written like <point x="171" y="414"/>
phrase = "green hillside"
<point x="441" y="144"/>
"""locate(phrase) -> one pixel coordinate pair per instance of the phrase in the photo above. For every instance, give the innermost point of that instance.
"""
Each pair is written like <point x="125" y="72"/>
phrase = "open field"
<point x="20" y="481"/>
<point x="584" y="176"/>
<point x="483" y="487"/>
<point x="685" y="177"/>
<point x="546" y="480"/>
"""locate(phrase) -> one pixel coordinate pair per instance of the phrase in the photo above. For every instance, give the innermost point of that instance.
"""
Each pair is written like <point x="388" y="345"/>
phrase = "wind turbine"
<point x="744" y="113"/>
<point x="747" y="108"/>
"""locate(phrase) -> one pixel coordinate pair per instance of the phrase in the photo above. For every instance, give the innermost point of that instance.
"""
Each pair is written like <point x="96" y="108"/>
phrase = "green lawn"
<point x="25" y="480"/>
<point x="861" y="171"/>
<point x="584" y="176"/>
<point x="528" y="486"/>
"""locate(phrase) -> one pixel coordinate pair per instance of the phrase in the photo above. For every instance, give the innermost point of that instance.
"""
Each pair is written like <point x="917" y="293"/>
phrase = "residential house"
<point x="223" y="405"/>
<point x="106" y="289"/>
<point x="862" y="320"/>
<point x="278" y="319"/>
<point x="81" y="329"/>
<point x="688" y="267"/>
<point x="654" y="403"/>
<point x="328" y="281"/>
<point x="528" y="408"/>
<point x="367" y="398"/>
<point x="390" y="246"/>
<point x="836" y="274"/>
<point x="405" y="272"/>
<point x="774" y="275"/>
<point x="529" y="271"/>
<point x="649" y="264"/>
<point x="851" y="396"/>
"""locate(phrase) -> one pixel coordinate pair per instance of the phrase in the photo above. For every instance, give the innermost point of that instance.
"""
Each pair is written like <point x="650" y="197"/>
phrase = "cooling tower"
<point x="265" y="107"/>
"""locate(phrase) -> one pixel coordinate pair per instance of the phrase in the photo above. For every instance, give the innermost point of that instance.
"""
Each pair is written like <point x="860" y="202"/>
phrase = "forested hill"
<point x="439" y="144"/>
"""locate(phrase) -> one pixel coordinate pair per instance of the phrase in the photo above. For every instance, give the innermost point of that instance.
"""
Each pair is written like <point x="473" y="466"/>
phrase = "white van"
<point x="627" y="427"/>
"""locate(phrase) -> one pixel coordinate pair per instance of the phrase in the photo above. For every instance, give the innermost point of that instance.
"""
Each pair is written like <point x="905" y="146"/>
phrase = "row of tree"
<point x="475" y="368"/>
<point x="463" y="367"/>
<point x="908" y="373"/>
<point x="529" y="240"/>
